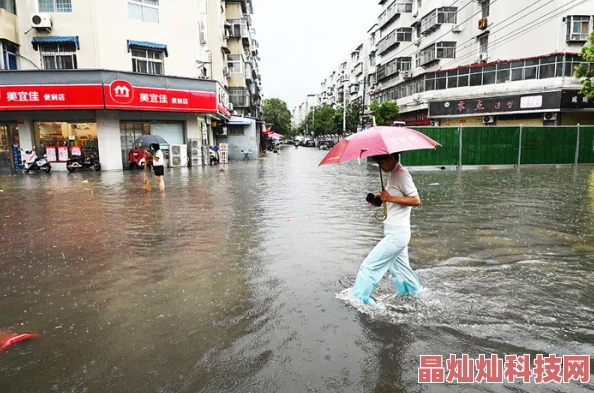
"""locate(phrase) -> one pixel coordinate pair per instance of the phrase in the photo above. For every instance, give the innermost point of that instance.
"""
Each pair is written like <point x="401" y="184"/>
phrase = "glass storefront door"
<point x="9" y="148"/>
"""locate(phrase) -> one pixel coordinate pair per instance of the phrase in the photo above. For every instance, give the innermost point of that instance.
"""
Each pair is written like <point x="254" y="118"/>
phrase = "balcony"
<point x="358" y="70"/>
<point x="394" y="39"/>
<point x="239" y="29"/>
<point x="239" y="97"/>
<point x="8" y="23"/>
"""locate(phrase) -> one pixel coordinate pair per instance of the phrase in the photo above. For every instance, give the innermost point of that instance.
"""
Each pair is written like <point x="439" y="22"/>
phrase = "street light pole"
<point x="344" y="106"/>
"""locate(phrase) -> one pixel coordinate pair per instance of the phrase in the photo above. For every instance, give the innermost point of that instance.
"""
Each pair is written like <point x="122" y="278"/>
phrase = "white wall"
<point x="108" y="135"/>
<point x="103" y="28"/>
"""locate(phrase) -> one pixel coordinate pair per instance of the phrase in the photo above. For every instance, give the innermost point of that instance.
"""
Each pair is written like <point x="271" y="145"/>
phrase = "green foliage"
<point x="277" y="114"/>
<point x="588" y="74"/>
<point x="325" y="120"/>
<point x="385" y="113"/>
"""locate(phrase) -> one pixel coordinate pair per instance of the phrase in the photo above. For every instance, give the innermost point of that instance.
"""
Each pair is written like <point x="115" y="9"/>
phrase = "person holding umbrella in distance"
<point x="158" y="159"/>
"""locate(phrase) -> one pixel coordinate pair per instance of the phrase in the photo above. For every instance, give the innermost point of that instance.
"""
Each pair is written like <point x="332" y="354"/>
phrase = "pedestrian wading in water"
<point x="158" y="165"/>
<point x="391" y="253"/>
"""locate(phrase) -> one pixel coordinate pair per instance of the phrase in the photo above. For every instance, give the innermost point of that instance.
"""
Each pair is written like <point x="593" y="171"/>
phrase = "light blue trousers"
<point x="391" y="253"/>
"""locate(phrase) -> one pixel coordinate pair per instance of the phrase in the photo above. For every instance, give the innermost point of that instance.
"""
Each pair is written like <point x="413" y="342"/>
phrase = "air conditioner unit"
<point x="482" y="23"/>
<point x="434" y="123"/>
<point x="488" y="119"/>
<point x="415" y="14"/>
<point x="550" y="116"/>
<point x="483" y="57"/>
<point x="456" y="28"/>
<point x="226" y="73"/>
<point x="405" y="74"/>
<point x="178" y="155"/>
<point x="41" y="21"/>
<point x="417" y="42"/>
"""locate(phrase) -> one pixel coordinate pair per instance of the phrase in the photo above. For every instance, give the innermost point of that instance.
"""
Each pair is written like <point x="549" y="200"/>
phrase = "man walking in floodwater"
<point x="391" y="253"/>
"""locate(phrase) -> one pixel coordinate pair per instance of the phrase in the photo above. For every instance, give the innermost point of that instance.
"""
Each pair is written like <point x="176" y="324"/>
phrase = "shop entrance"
<point x="173" y="133"/>
<point x="10" y="154"/>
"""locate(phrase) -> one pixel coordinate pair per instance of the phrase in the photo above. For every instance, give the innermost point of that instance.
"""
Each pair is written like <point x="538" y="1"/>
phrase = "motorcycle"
<point x="136" y="159"/>
<point x="32" y="163"/>
<point x="79" y="162"/>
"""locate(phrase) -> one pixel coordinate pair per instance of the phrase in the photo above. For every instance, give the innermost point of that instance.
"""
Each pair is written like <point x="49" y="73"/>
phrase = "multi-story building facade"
<point x="98" y="74"/>
<point x="242" y="61"/>
<point x="475" y="62"/>
<point x="484" y="62"/>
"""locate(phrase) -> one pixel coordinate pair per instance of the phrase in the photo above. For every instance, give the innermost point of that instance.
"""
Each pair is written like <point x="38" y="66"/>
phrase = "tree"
<point x="277" y="114"/>
<point x="384" y="113"/>
<point x="587" y="75"/>
<point x="353" y="116"/>
<point x="320" y="121"/>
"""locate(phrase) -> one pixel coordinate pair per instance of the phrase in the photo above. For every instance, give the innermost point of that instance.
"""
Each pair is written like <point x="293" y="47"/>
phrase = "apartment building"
<point x="242" y="71"/>
<point x="95" y="75"/>
<point x="473" y="62"/>
<point x="485" y="62"/>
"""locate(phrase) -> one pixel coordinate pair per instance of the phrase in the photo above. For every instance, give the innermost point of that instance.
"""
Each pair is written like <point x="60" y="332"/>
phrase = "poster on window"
<point x="76" y="151"/>
<point x="50" y="151"/>
<point x="63" y="153"/>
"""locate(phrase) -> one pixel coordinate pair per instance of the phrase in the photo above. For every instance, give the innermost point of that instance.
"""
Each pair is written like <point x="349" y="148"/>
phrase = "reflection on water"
<point x="239" y="281"/>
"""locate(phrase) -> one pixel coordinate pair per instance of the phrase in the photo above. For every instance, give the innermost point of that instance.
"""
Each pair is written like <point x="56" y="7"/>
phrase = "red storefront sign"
<point x="117" y="95"/>
<point x="416" y="118"/>
<point x="122" y="95"/>
<point x="43" y="97"/>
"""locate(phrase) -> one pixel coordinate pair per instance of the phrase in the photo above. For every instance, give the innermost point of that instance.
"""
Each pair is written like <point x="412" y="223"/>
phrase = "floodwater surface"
<point x="238" y="281"/>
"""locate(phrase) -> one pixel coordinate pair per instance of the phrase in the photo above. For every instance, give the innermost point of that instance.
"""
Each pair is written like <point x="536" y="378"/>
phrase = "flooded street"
<point x="238" y="281"/>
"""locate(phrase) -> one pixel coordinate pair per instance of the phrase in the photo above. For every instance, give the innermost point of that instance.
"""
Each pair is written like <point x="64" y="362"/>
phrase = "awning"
<point x="55" y="40"/>
<point x="147" y="45"/>
<point x="239" y="123"/>
<point x="482" y="34"/>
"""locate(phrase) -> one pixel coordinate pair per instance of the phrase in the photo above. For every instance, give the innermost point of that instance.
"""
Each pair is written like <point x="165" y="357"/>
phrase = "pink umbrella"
<point x="376" y="141"/>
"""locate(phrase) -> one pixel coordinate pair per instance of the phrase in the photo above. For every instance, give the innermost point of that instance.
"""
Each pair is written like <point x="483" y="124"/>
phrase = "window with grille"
<point x="147" y="61"/>
<point x="235" y="63"/>
<point x="578" y="28"/>
<point x="144" y="10"/>
<point x="58" y="56"/>
<point x="9" y="56"/>
<point x="404" y="5"/>
<point x="55" y="5"/>
<point x="8" y="5"/>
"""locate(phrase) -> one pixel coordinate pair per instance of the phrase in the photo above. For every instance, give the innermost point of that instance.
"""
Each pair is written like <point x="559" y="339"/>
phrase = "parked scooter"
<point x="79" y="162"/>
<point x="32" y="163"/>
<point x="136" y="159"/>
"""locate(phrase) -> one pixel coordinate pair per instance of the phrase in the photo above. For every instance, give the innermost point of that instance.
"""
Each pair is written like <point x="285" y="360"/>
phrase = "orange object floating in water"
<point x="11" y="340"/>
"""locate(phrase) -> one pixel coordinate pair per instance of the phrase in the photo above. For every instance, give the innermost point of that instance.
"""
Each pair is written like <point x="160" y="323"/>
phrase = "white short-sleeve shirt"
<point x="159" y="155"/>
<point x="400" y="184"/>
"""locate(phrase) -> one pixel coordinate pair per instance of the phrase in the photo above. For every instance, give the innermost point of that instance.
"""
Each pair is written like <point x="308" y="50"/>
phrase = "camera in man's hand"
<point x="372" y="199"/>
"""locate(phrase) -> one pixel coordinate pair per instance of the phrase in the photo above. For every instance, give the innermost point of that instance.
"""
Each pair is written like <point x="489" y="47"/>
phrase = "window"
<point x="58" y="56"/>
<point x="578" y="28"/>
<point x="48" y="135"/>
<point x="438" y="16"/>
<point x="143" y="10"/>
<point x="9" y="56"/>
<point x="235" y="63"/>
<point x="446" y="50"/>
<point x="404" y="5"/>
<point x="403" y="63"/>
<point x="8" y="5"/>
<point x="484" y="44"/>
<point x="55" y="5"/>
<point x="486" y="6"/>
<point x="404" y="34"/>
<point x="146" y="61"/>
<point x="372" y="60"/>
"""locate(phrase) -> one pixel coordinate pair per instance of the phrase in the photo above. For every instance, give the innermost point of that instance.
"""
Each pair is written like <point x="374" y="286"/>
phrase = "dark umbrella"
<point x="150" y="140"/>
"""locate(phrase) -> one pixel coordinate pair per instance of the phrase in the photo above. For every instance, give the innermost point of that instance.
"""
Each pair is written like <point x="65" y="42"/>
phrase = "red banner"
<point x="44" y="97"/>
<point x="122" y="95"/>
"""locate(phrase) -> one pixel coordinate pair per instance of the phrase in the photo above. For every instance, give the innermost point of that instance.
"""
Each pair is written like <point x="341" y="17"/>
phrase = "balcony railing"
<point x="239" y="97"/>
